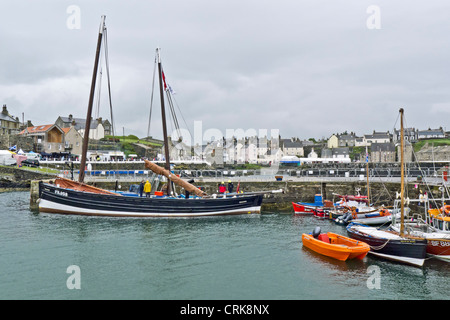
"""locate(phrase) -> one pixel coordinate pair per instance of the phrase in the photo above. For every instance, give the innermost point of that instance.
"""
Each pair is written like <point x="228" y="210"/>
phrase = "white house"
<point x="96" y="129"/>
<point x="292" y="147"/>
<point x="377" y="137"/>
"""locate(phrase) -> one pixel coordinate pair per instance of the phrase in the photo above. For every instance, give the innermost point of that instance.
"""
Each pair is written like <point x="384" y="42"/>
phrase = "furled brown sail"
<point x="70" y="184"/>
<point x="187" y="186"/>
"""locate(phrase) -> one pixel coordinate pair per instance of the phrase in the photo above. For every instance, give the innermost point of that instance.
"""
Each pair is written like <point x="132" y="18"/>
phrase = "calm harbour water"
<point x="257" y="257"/>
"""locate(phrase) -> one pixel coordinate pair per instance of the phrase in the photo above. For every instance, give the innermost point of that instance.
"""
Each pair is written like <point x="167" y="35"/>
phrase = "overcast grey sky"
<point x="308" y="68"/>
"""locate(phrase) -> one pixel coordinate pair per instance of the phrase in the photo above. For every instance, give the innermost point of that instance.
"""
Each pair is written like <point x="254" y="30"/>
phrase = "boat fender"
<point x="316" y="232"/>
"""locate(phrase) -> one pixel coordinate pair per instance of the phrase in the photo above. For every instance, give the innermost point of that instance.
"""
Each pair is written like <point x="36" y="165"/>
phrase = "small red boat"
<point x="311" y="208"/>
<point x="303" y="208"/>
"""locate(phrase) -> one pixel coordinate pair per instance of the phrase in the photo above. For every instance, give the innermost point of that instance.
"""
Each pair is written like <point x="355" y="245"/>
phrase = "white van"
<point x="33" y="156"/>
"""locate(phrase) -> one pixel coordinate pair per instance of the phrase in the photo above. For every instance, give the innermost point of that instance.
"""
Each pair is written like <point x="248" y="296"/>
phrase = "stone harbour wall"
<point x="13" y="178"/>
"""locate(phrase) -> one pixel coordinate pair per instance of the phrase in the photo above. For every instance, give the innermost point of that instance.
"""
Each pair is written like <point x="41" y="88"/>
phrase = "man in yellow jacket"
<point x="147" y="189"/>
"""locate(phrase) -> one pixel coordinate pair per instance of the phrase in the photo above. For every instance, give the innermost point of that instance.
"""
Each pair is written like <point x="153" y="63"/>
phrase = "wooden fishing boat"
<point x="435" y="229"/>
<point x="335" y="246"/>
<point x="438" y="242"/>
<point x="54" y="199"/>
<point x="71" y="197"/>
<point x="389" y="244"/>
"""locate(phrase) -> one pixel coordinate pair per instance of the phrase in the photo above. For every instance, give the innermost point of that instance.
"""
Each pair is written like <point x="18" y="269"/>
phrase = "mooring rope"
<point x="376" y="248"/>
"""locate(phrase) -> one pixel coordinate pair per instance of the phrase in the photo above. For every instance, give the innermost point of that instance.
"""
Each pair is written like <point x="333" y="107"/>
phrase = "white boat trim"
<point x="445" y="258"/>
<point x="411" y="261"/>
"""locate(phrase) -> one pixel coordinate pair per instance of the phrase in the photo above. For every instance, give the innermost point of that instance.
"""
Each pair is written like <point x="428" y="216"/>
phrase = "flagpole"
<point x="367" y="170"/>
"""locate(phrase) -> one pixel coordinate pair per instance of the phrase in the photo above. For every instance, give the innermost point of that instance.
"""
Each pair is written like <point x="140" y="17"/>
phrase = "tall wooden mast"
<point x="91" y="101"/>
<point x="402" y="174"/>
<point x="367" y="173"/>
<point x="163" y="116"/>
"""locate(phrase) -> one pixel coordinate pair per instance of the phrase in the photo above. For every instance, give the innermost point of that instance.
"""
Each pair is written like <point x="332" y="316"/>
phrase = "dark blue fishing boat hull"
<point x="53" y="199"/>
<point x="407" y="250"/>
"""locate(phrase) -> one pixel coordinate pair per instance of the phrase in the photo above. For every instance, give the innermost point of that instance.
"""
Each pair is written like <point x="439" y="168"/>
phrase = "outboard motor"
<point x="316" y="232"/>
<point x="344" y="219"/>
<point x="347" y="217"/>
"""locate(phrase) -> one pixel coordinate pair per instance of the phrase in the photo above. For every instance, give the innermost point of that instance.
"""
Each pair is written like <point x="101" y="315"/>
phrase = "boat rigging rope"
<point x="176" y="103"/>
<point x="151" y="98"/>
<point x="113" y="127"/>
<point x="99" y="87"/>
<point x="174" y="116"/>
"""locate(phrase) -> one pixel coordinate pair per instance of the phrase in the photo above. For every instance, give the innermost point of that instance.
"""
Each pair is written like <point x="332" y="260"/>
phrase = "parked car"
<point x="30" y="163"/>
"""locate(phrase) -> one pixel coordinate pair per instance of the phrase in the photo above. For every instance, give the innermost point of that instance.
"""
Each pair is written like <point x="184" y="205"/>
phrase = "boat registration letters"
<point x="437" y="243"/>
<point x="61" y="193"/>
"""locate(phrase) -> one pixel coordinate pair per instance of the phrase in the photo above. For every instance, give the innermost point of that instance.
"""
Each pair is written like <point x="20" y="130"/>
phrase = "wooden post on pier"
<point x="34" y="193"/>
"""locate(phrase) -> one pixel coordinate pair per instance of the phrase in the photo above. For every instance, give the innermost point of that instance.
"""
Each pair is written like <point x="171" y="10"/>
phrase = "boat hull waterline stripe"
<point x="51" y="207"/>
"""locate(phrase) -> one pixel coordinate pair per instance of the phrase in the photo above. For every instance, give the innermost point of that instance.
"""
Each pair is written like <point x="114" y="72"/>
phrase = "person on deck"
<point x="230" y="186"/>
<point x="147" y="189"/>
<point x="141" y="188"/>
<point x="222" y="188"/>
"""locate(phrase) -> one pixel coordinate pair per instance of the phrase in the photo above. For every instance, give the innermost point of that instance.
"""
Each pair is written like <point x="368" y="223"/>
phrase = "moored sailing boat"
<point x="435" y="229"/>
<point x="70" y="197"/>
<point x="389" y="244"/>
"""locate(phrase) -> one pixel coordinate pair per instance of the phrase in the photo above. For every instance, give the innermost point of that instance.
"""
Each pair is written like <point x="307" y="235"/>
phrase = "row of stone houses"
<point x="63" y="137"/>
<point x="351" y="140"/>
<point x="98" y="129"/>
<point x="66" y="134"/>
<point x="264" y="151"/>
<point x="411" y="134"/>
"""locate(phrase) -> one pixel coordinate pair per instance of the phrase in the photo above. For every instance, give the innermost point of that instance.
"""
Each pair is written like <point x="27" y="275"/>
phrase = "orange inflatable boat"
<point x="334" y="245"/>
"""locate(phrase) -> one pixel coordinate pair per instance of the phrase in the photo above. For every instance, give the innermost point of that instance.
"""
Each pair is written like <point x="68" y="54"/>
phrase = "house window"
<point x="49" y="146"/>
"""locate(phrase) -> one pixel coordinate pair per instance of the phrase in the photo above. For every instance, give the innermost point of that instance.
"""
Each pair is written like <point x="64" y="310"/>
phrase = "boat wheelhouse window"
<point x="447" y="225"/>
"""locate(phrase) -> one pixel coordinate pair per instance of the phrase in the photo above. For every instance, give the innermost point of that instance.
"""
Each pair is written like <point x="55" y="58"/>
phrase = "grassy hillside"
<point x="432" y="142"/>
